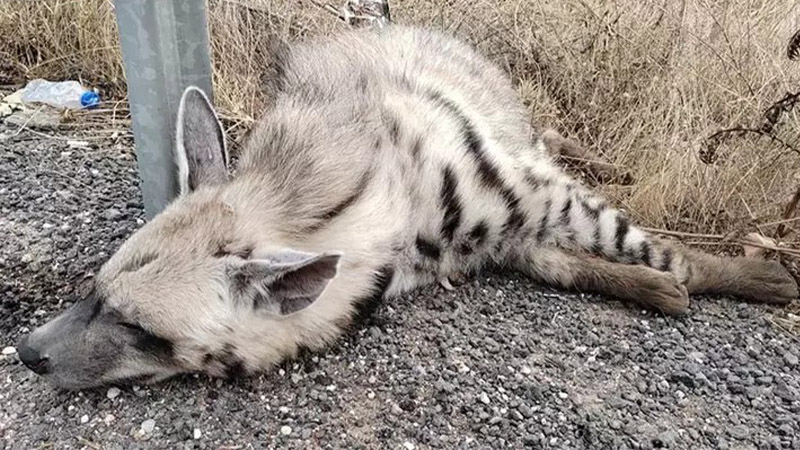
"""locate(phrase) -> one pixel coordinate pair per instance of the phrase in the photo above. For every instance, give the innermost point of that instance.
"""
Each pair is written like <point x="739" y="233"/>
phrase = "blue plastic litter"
<point x="90" y="99"/>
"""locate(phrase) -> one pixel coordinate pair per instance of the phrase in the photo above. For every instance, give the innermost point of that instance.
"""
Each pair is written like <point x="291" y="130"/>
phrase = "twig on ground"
<point x="721" y="240"/>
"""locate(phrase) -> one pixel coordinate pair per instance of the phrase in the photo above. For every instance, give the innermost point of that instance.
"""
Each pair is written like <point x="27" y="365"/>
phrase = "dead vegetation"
<point x="696" y="98"/>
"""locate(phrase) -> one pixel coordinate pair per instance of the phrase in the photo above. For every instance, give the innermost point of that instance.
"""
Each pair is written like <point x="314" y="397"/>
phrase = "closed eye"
<point x="131" y="326"/>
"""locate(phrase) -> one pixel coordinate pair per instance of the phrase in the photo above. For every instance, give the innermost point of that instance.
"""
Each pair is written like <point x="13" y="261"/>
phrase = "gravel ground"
<point x="497" y="363"/>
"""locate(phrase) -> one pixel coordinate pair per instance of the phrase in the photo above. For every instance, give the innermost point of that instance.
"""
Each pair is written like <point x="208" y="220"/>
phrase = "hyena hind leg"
<point x="749" y="279"/>
<point x="643" y="285"/>
<point x="559" y="146"/>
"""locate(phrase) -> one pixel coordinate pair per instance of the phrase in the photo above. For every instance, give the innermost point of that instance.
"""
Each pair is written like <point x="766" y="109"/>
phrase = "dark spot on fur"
<point x="365" y="307"/>
<point x="235" y="368"/>
<point x="341" y="207"/>
<point x="416" y="148"/>
<point x="479" y="232"/>
<point x="516" y="220"/>
<point x="393" y="125"/>
<point x="591" y="213"/>
<point x="96" y="302"/>
<point x="151" y="344"/>
<point x="228" y="360"/>
<point x="228" y="250"/>
<point x="475" y="238"/>
<point x="565" y="210"/>
<point x="541" y="232"/>
<point x="535" y="182"/>
<point x="273" y="79"/>
<point x="139" y="262"/>
<point x="428" y="248"/>
<point x="451" y="204"/>
<point x="362" y="82"/>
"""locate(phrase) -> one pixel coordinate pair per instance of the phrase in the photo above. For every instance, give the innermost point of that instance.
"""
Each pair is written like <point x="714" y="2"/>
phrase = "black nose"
<point x="32" y="358"/>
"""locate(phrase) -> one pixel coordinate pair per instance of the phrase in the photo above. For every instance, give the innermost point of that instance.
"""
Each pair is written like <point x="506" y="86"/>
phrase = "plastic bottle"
<point x="62" y="94"/>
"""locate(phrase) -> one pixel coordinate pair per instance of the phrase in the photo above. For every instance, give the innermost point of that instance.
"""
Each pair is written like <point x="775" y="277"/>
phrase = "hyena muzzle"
<point x="386" y="160"/>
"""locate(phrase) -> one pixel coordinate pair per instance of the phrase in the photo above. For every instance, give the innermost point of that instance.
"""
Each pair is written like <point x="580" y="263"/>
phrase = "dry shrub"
<point x="643" y="82"/>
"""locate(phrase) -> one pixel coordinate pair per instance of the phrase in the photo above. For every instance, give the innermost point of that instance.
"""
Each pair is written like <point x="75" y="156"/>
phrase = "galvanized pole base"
<point x="165" y="49"/>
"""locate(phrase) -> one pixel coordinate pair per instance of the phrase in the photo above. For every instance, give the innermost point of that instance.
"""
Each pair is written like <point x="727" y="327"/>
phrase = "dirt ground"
<point x="497" y="363"/>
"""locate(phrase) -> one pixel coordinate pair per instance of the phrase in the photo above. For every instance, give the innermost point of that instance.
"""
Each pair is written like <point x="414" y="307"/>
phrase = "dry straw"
<point x="645" y="83"/>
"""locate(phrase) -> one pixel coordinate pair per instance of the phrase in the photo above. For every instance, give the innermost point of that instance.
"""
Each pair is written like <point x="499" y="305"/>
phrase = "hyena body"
<point x="386" y="161"/>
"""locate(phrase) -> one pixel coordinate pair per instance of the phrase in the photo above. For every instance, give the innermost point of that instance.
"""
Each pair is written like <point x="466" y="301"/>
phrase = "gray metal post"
<point x="165" y="49"/>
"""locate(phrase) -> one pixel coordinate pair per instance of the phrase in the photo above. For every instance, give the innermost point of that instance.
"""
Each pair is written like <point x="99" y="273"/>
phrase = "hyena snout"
<point x="71" y="351"/>
<point x="33" y="357"/>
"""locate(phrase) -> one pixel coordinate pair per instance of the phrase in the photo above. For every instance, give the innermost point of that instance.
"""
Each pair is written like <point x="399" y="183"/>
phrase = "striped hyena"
<point x="386" y="160"/>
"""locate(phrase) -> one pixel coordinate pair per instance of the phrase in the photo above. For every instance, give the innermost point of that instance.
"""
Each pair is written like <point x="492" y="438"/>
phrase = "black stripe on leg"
<point x="450" y="203"/>
<point x="646" y="253"/>
<point x="666" y="260"/>
<point x="623" y="226"/>
<point x="597" y="244"/>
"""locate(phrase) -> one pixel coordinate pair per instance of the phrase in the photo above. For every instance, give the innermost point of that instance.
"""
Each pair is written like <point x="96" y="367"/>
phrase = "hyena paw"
<point x="662" y="291"/>
<point x="767" y="282"/>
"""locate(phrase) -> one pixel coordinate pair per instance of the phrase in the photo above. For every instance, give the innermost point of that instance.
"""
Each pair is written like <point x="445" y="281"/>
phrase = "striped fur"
<point x="387" y="160"/>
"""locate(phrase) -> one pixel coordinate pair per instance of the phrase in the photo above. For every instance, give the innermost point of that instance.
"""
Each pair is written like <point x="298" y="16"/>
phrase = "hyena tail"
<point x="578" y="221"/>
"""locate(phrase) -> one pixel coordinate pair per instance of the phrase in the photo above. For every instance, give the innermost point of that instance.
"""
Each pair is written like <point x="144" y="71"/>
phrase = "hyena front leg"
<point x="559" y="146"/>
<point x="640" y="284"/>
<point x="572" y="218"/>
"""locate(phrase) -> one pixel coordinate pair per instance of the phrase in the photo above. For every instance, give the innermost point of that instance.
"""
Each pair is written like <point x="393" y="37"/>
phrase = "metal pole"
<point x="164" y="49"/>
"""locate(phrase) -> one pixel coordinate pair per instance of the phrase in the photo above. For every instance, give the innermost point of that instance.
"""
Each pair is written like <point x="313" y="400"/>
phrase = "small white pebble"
<point x="70" y="408"/>
<point x="9" y="350"/>
<point x="196" y="434"/>
<point x="370" y="395"/>
<point x="525" y="370"/>
<point x="484" y="398"/>
<point x="286" y="430"/>
<point x="563" y="395"/>
<point x="108" y="418"/>
<point x="113" y="393"/>
<point x="283" y="410"/>
<point x="84" y="418"/>
<point x="372" y="380"/>
<point x="408" y="445"/>
<point x="148" y="426"/>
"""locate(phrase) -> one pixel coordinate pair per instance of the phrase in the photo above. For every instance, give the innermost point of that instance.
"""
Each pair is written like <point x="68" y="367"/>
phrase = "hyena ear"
<point x="200" y="149"/>
<point x="282" y="283"/>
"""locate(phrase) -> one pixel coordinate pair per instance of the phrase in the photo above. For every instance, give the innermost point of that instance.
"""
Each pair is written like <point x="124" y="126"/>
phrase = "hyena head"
<point x="187" y="290"/>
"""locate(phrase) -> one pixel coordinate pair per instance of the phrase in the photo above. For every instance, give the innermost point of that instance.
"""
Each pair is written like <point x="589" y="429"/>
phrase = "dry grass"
<point x="643" y="82"/>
